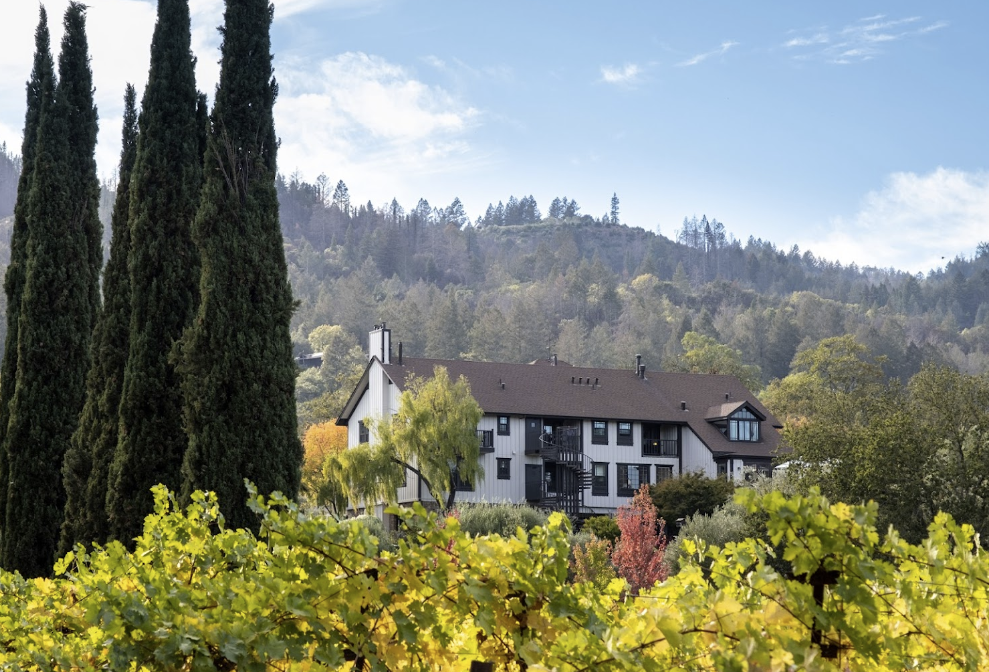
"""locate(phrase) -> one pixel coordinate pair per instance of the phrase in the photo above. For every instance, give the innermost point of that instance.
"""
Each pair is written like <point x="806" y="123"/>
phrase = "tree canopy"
<point x="433" y="435"/>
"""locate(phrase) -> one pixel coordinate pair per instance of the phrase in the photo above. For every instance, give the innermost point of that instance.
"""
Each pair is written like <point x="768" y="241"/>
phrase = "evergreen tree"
<point x="613" y="215"/>
<point x="87" y="463"/>
<point x="40" y="92"/>
<point x="57" y="309"/>
<point x="237" y="366"/>
<point x="164" y="272"/>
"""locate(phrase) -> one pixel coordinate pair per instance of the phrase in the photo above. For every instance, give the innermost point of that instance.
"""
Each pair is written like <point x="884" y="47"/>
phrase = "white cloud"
<point x="625" y="75"/>
<point x="859" y="41"/>
<point x="914" y="223"/>
<point x="694" y="60"/>
<point x="372" y="121"/>
<point x="108" y="43"/>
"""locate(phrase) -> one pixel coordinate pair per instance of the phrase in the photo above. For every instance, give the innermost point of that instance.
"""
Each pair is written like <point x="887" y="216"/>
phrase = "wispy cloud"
<point x="624" y="75"/>
<point x="694" y="60"/>
<point x="859" y="41"/>
<point x="914" y="223"/>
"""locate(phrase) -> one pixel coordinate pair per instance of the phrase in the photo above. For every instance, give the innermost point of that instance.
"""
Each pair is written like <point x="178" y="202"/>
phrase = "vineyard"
<point x="313" y="593"/>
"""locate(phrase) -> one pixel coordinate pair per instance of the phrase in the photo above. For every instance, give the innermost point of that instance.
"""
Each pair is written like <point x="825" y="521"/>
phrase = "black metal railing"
<point x="485" y="438"/>
<point x="661" y="447"/>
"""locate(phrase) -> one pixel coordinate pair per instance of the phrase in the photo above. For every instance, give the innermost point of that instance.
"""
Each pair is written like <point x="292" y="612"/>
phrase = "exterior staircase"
<point x="573" y="472"/>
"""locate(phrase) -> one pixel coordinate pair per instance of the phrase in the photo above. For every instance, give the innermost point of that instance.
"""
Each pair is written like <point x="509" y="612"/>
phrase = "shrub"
<point x="689" y="494"/>
<point x="591" y="562"/>
<point x="727" y="523"/>
<point x="602" y="527"/>
<point x="502" y="519"/>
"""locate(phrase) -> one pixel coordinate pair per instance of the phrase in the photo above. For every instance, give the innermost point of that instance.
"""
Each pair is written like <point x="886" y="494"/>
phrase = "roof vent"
<point x="683" y="405"/>
<point x="642" y="371"/>
<point x="727" y="396"/>
<point x="573" y="379"/>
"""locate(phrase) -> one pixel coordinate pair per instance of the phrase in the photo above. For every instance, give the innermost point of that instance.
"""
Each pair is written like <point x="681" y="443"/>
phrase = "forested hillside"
<point x="596" y="292"/>
<point x="516" y="285"/>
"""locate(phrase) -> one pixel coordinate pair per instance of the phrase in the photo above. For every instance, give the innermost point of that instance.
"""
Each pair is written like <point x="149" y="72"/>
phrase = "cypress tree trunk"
<point x="40" y="92"/>
<point x="164" y="276"/>
<point x="87" y="463"/>
<point x="57" y="310"/>
<point x="237" y="367"/>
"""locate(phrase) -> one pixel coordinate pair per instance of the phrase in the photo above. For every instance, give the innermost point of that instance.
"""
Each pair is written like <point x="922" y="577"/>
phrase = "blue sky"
<point x="856" y="130"/>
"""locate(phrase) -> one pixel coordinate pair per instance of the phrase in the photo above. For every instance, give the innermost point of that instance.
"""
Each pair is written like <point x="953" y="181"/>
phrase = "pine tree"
<point x="57" y="309"/>
<point x="40" y="93"/>
<point x="237" y="366"/>
<point x="164" y="276"/>
<point x="85" y="469"/>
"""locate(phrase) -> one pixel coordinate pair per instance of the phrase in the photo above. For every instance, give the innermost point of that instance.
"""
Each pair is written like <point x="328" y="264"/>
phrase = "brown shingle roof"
<point x="608" y="394"/>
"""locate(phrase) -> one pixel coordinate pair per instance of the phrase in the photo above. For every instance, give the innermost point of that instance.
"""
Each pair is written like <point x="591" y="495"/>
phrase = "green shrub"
<point x="602" y="527"/>
<point x="503" y="519"/>
<point x="688" y="495"/>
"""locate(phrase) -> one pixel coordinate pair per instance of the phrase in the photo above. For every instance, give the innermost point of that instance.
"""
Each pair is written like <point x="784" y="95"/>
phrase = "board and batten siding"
<point x="613" y="454"/>
<point x="512" y="446"/>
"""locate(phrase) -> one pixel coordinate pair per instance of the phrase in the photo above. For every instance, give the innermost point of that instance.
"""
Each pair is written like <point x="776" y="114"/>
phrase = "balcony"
<point x="660" y="447"/>
<point x="485" y="438"/>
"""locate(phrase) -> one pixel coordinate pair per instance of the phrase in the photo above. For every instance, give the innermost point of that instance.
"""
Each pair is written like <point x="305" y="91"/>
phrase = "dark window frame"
<point x="485" y="439"/>
<point x="363" y="434"/>
<point x="461" y="485"/>
<point x="504" y="428"/>
<point x="667" y="470"/>
<point x="504" y="468"/>
<point x="623" y="482"/>
<point x="597" y="437"/>
<point x="625" y="439"/>
<point x="599" y="482"/>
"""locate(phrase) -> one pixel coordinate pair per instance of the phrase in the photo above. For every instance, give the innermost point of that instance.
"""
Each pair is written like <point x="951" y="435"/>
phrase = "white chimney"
<point x="379" y="343"/>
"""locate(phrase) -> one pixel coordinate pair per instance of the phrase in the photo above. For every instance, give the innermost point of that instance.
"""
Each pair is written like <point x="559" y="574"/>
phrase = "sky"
<point x="854" y="130"/>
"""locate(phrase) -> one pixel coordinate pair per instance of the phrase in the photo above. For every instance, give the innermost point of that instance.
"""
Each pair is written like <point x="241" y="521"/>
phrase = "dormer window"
<point x="742" y="426"/>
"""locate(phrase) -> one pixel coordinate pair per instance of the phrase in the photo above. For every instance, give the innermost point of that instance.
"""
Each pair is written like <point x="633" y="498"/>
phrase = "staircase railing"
<point x="574" y="473"/>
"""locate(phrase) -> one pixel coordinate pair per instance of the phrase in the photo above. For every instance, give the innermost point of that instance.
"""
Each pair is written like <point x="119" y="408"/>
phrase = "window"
<point x="722" y="469"/>
<point x="503" y="427"/>
<point x="660" y="441"/>
<point x="504" y="468"/>
<point x="485" y="438"/>
<point x="743" y="426"/>
<point x="599" y="478"/>
<point x="362" y="433"/>
<point x="599" y="431"/>
<point x="631" y="477"/>
<point x="663" y="472"/>
<point x="624" y="433"/>
<point x="460" y="485"/>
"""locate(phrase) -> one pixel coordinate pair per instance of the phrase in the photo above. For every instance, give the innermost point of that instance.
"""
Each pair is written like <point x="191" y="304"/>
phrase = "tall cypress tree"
<point x="238" y="373"/>
<point x="87" y="463"/>
<point x="40" y="92"/>
<point x="57" y="312"/>
<point x="164" y="275"/>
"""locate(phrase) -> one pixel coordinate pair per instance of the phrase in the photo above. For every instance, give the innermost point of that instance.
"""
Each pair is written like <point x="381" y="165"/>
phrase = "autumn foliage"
<point x="320" y="441"/>
<point x="638" y="555"/>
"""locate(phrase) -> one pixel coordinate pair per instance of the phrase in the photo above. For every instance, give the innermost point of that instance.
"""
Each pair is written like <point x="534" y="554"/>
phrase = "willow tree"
<point x="58" y="309"/>
<point x="87" y="463"/>
<point x="164" y="276"/>
<point x="433" y="435"/>
<point x="236" y="359"/>
<point x="40" y="93"/>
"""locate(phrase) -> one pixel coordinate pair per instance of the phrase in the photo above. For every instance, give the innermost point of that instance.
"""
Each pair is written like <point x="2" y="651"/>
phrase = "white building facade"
<point x="581" y="440"/>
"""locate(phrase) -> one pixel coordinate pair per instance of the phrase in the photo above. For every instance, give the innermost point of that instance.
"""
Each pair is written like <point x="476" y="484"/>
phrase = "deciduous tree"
<point x="433" y="435"/>
<point x="639" y="552"/>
